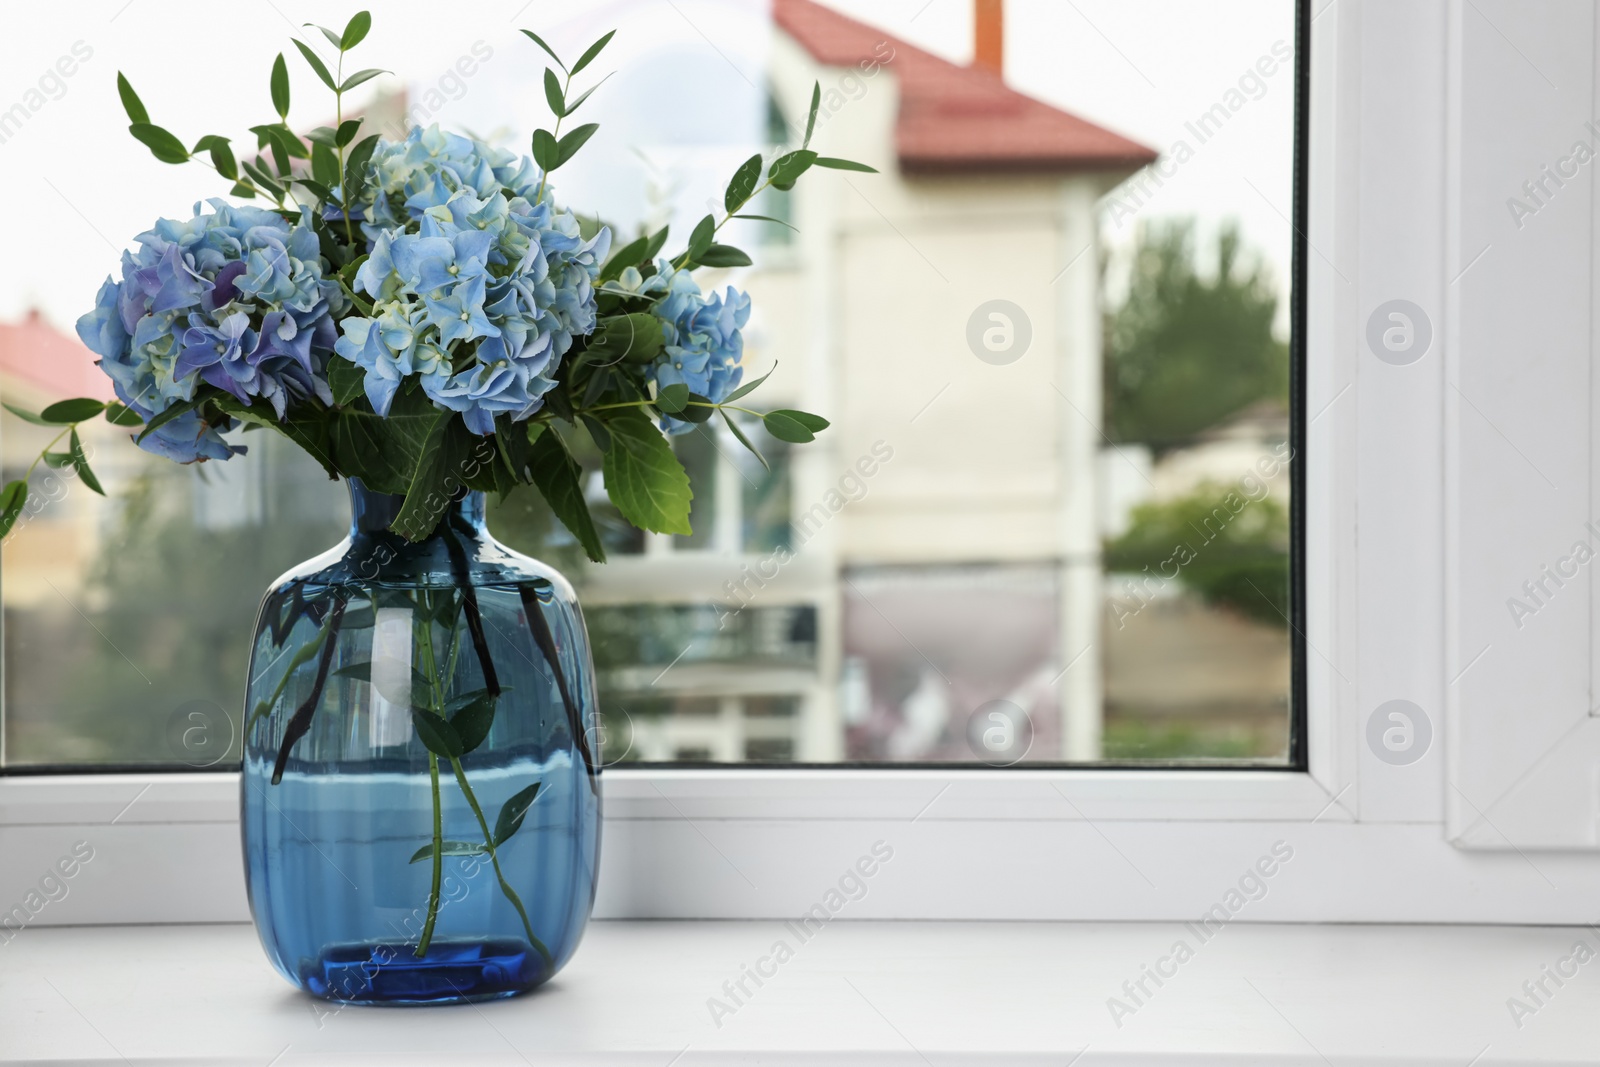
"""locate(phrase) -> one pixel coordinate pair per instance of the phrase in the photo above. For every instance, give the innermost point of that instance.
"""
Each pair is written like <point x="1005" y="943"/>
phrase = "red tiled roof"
<point x="956" y="118"/>
<point x="35" y="354"/>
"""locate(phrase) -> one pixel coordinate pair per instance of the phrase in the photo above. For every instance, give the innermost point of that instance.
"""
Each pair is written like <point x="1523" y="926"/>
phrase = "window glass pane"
<point x="1050" y="520"/>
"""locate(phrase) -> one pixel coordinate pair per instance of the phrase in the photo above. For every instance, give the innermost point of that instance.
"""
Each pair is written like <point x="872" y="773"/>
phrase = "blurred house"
<point x="938" y="547"/>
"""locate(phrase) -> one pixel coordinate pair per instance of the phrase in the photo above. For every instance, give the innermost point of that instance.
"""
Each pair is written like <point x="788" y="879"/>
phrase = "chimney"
<point x="988" y="36"/>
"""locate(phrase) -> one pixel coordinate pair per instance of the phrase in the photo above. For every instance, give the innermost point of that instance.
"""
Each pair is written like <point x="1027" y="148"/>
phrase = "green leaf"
<point x="259" y="175"/>
<point x="673" y="399"/>
<point x="355" y="168"/>
<point x="420" y="694"/>
<point x="558" y="478"/>
<point x="222" y="159"/>
<point x="333" y="38"/>
<point x="316" y="64"/>
<point x="324" y="169"/>
<point x="575" y="140"/>
<point x="347" y="132"/>
<point x="743" y="440"/>
<point x="786" y="169"/>
<point x="449" y="848"/>
<point x="512" y="813"/>
<point x="306" y="425"/>
<point x="280" y="87"/>
<point x="25" y="416"/>
<point x="814" y="423"/>
<point x="426" y="494"/>
<point x="796" y="427"/>
<point x="165" y="416"/>
<point x="436" y="734"/>
<point x="698" y="409"/>
<point x="120" y="415"/>
<point x="355" y="30"/>
<point x="473" y="720"/>
<point x="811" y="119"/>
<point x="743" y="184"/>
<point x="552" y="93"/>
<point x="243" y="189"/>
<point x="842" y="164"/>
<point x="724" y="256"/>
<point x="700" y="239"/>
<point x="163" y="145"/>
<point x="80" y="463"/>
<point x="12" y="499"/>
<point x="546" y="152"/>
<point x="592" y="51"/>
<point x="748" y="387"/>
<point x="636" y="338"/>
<point x="551" y="52"/>
<point x="644" y="478"/>
<point x="63" y="412"/>
<point x="57" y="459"/>
<point x="573" y="105"/>
<point x="597" y="432"/>
<point x="629" y="255"/>
<point x="131" y="102"/>
<point x="768" y="218"/>
<point x="658" y="241"/>
<point x="360" y="77"/>
<point x="346" y="379"/>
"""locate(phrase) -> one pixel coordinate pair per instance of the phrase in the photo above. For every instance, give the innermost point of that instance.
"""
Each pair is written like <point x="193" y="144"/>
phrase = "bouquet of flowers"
<point x="423" y="315"/>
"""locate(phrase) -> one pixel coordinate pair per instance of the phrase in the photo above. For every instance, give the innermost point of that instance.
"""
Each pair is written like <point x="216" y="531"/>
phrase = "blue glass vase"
<point x="420" y="796"/>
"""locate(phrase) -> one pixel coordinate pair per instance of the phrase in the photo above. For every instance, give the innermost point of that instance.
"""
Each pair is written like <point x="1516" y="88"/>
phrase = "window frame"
<point x="1370" y="839"/>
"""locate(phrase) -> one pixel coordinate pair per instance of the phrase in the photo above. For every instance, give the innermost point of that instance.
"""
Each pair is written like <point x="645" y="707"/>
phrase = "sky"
<point x="676" y="118"/>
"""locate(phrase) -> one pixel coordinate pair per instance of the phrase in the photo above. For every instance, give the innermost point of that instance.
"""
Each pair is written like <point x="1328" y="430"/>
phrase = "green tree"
<point x="1186" y="350"/>
<point x="1228" y="545"/>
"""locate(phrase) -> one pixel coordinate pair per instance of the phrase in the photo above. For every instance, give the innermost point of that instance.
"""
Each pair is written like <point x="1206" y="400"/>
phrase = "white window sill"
<point x="858" y="993"/>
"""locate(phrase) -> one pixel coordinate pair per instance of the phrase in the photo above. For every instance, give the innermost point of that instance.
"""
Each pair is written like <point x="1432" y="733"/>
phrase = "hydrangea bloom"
<point x="703" y="340"/>
<point x="475" y="289"/>
<point x="233" y="297"/>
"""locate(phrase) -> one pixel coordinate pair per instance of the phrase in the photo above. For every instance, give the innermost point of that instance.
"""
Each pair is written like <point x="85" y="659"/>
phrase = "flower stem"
<point x="438" y="860"/>
<point x="494" y="858"/>
<point x="425" y="635"/>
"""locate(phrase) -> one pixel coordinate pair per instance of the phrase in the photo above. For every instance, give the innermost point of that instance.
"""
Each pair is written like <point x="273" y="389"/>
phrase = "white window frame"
<point x="1370" y="840"/>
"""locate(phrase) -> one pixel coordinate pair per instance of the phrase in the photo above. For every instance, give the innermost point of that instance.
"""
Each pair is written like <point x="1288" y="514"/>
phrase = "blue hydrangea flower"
<point x="704" y="342"/>
<point x="476" y="290"/>
<point x="234" y="298"/>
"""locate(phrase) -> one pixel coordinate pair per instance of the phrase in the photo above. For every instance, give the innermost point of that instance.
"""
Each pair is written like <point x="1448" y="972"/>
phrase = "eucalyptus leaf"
<point x="673" y="398"/>
<point x="131" y="102"/>
<point x="13" y="497"/>
<point x="786" y="169"/>
<point x="120" y="415"/>
<point x="785" y="428"/>
<point x="842" y="164"/>
<point x="449" y="848"/>
<point x="551" y="52"/>
<point x="80" y="463"/>
<point x="315" y="62"/>
<point x="700" y="239"/>
<point x="360" y="77"/>
<point x="512" y="813"/>
<point x="436" y="734"/>
<point x="25" y="415"/>
<point x="811" y="118"/>
<point x="63" y="412"/>
<point x="347" y="132"/>
<point x="743" y="440"/>
<point x="280" y="87"/>
<point x="571" y="142"/>
<point x="748" y="387"/>
<point x="592" y="51"/>
<point x="165" y="416"/>
<point x="546" y="150"/>
<point x="724" y="256"/>
<point x="163" y="145"/>
<point x="473" y="720"/>
<point x="743" y="184"/>
<point x="355" y="30"/>
<point x="553" y="95"/>
<point x="658" y="241"/>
